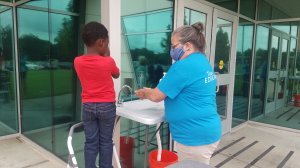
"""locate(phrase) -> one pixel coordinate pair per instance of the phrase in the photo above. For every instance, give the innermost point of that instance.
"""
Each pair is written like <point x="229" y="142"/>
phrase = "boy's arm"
<point x="116" y="76"/>
<point x="115" y="71"/>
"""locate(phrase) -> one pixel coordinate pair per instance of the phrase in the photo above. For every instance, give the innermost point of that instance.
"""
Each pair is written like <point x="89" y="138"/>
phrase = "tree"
<point x="7" y="43"/>
<point x="222" y="46"/>
<point x="64" y="45"/>
<point x="34" y="48"/>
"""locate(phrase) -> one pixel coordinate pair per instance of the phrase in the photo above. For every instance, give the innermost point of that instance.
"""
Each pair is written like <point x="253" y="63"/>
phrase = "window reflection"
<point x="35" y="83"/>
<point x="47" y="78"/>
<point x="149" y="45"/>
<point x="293" y="48"/>
<point x="260" y="71"/>
<point x="284" y="27"/>
<point x="192" y="16"/>
<point x="145" y="57"/>
<point x="222" y="48"/>
<point x="135" y="24"/>
<point x="62" y="5"/>
<point x="40" y="3"/>
<point x="221" y="101"/>
<point x="294" y="28"/>
<point x="63" y="50"/>
<point x="242" y="72"/>
<point x="8" y="110"/>
<point x="291" y="71"/>
<point x="159" y="21"/>
<point x="284" y="54"/>
<point x="274" y="53"/>
<point x="65" y="5"/>
<point x="271" y="90"/>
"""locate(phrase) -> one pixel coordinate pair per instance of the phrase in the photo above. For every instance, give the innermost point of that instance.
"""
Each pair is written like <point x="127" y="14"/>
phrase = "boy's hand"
<point x="107" y="52"/>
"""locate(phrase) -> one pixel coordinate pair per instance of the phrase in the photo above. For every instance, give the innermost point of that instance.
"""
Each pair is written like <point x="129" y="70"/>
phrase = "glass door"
<point x="190" y="12"/>
<point x="277" y="76"/>
<point x="220" y="33"/>
<point x="283" y="73"/>
<point x="223" y="56"/>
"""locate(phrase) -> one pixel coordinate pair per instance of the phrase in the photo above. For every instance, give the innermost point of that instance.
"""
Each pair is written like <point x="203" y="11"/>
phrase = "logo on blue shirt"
<point x="210" y="77"/>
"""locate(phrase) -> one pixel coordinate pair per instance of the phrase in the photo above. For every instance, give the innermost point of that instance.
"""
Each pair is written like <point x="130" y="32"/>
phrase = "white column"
<point x="111" y="18"/>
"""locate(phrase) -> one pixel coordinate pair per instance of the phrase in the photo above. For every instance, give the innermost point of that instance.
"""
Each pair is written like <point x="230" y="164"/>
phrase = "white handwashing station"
<point x="142" y="111"/>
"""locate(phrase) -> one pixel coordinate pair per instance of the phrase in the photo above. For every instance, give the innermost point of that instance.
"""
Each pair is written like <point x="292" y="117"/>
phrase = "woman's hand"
<point x="152" y="94"/>
<point x="141" y="93"/>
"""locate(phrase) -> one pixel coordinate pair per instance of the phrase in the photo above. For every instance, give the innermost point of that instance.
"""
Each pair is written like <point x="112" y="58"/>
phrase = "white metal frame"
<point x="277" y="74"/>
<point x="210" y="33"/>
<point x="226" y="79"/>
<point x="197" y="7"/>
<point x="272" y="74"/>
<point x="284" y="72"/>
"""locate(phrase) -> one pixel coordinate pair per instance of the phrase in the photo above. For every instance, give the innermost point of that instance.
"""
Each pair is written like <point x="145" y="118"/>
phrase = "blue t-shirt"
<point x="190" y="105"/>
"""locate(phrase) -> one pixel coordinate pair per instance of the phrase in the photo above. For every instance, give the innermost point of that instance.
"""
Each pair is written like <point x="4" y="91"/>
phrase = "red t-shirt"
<point x="95" y="75"/>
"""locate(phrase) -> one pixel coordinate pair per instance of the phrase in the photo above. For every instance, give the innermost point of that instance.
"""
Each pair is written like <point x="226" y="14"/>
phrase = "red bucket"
<point x="126" y="151"/>
<point x="167" y="158"/>
<point x="297" y="100"/>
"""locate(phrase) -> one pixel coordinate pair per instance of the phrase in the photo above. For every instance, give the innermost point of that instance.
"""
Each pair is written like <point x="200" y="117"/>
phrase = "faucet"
<point x="120" y="101"/>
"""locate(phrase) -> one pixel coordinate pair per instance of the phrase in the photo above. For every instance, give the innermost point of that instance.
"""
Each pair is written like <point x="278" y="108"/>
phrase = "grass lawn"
<point x="38" y="83"/>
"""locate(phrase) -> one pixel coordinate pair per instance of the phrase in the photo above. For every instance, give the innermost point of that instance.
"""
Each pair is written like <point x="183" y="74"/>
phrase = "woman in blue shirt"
<point x="188" y="90"/>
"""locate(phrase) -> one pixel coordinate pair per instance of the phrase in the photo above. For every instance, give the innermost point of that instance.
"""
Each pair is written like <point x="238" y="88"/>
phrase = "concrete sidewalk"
<point x="258" y="146"/>
<point x="17" y="153"/>
<point x="252" y="145"/>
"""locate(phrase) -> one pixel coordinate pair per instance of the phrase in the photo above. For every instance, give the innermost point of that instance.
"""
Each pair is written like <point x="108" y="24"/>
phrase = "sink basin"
<point x="143" y="111"/>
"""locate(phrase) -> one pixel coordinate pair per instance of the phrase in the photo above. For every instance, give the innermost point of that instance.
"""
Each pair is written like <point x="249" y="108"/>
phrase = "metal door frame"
<point x="210" y="33"/>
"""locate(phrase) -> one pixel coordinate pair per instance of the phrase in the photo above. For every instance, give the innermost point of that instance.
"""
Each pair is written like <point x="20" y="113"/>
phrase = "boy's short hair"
<point x="92" y="32"/>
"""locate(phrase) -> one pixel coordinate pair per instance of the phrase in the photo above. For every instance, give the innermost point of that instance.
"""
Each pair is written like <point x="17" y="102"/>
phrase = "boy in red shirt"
<point x="95" y="70"/>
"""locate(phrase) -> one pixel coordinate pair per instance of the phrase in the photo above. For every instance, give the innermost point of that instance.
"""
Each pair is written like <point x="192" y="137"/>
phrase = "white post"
<point x="111" y="18"/>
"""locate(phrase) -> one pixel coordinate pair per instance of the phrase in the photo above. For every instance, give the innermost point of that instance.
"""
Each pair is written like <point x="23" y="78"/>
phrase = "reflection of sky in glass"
<point x="226" y="27"/>
<point x="223" y="22"/>
<point x="245" y="36"/>
<point x="150" y="25"/>
<point x="54" y="4"/>
<point x="293" y="47"/>
<point x="275" y="41"/>
<point x="159" y="21"/>
<point x="262" y="38"/>
<point x="154" y="42"/>
<point x="61" y="5"/>
<point x="136" y="41"/>
<point x="283" y="28"/>
<point x="192" y="16"/>
<point x="135" y="24"/>
<point x="284" y="45"/>
<point x="197" y="17"/>
<point x="3" y="7"/>
<point x="57" y="24"/>
<point x="186" y="16"/>
<point x="40" y="3"/>
<point x="294" y="30"/>
<point x="228" y="31"/>
<point x="4" y="22"/>
<point x="37" y="26"/>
